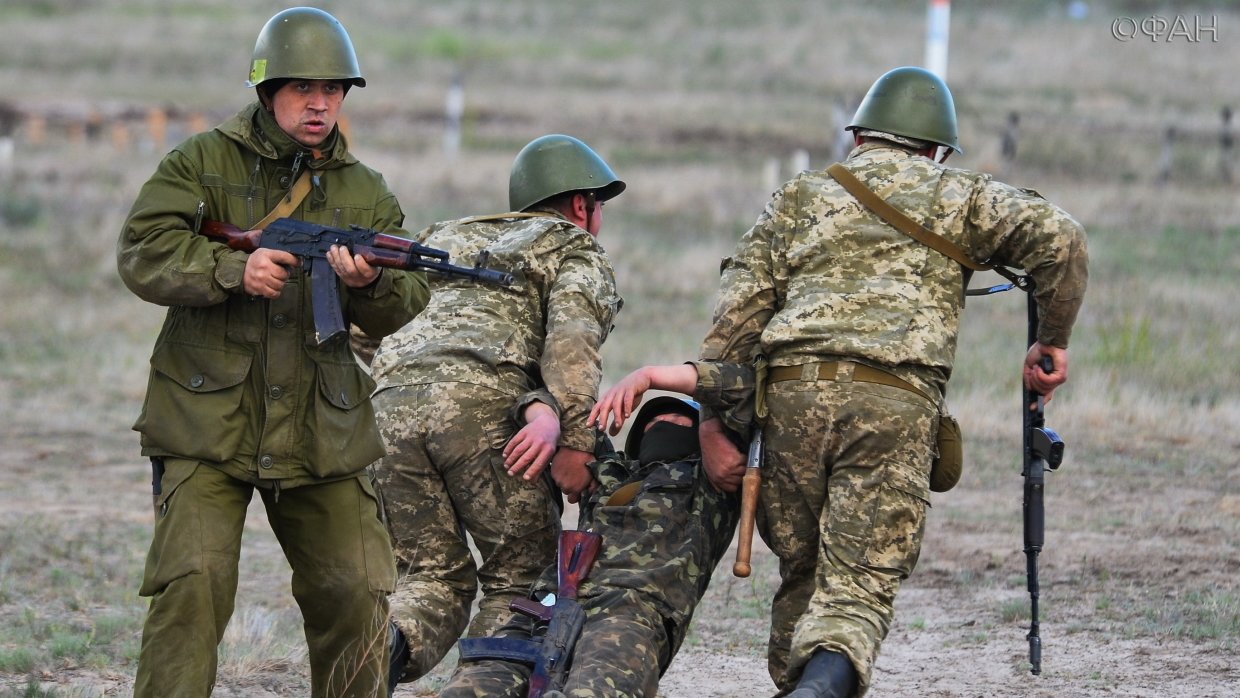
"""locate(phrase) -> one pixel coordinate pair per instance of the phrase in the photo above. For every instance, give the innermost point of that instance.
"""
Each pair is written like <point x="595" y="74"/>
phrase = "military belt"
<point x="835" y="370"/>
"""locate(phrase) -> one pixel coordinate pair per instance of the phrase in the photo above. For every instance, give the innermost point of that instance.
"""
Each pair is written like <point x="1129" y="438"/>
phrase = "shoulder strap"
<point x="897" y="219"/>
<point x="289" y="203"/>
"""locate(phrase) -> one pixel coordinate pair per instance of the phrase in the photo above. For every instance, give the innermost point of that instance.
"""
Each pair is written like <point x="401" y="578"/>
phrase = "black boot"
<point x="398" y="656"/>
<point x="827" y="675"/>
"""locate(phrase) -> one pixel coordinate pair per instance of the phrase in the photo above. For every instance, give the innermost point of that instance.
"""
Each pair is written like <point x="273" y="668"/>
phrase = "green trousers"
<point x="845" y="487"/>
<point x="335" y="541"/>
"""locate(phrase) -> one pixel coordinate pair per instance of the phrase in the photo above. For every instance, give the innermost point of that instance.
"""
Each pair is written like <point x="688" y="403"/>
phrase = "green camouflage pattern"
<point x="445" y="476"/>
<point x="656" y="560"/>
<point x="545" y="330"/>
<point x="846" y="477"/>
<point x="844" y="489"/>
<point x="820" y="277"/>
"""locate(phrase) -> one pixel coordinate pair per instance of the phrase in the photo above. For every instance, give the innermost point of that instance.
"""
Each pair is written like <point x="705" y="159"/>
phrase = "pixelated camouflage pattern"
<point x="819" y="276"/>
<point x="846" y="477"/>
<point x="656" y="560"/>
<point x="726" y="390"/>
<point x="444" y="476"/>
<point x="844" y="490"/>
<point x="545" y="330"/>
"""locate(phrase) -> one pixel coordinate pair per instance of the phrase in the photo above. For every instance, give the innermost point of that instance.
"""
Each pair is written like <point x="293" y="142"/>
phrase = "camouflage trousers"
<point x="845" y="488"/>
<point x="443" y="478"/>
<point x="657" y="556"/>
<point x="333" y="538"/>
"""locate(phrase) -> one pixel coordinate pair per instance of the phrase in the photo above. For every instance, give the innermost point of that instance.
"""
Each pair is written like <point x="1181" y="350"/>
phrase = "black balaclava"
<point x="665" y="442"/>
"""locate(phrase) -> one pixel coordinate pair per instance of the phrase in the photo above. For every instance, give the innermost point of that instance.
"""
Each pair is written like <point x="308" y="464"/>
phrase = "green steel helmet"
<point x="655" y="406"/>
<point x="910" y="102"/>
<point x="557" y="164"/>
<point x="304" y="43"/>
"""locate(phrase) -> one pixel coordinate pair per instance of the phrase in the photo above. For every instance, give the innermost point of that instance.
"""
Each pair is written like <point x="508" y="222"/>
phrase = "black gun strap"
<point x="899" y="220"/>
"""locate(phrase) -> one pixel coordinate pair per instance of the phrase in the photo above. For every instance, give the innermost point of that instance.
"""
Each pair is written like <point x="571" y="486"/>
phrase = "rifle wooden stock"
<point x="750" y="485"/>
<point x="578" y="551"/>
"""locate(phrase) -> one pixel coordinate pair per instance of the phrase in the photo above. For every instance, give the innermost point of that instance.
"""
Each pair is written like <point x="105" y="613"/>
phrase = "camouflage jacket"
<point x="545" y="330"/>
<point x="820" y="277"/>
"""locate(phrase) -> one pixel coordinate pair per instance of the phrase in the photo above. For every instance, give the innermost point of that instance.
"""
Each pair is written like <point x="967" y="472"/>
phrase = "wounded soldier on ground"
<point x="664" y="529"/>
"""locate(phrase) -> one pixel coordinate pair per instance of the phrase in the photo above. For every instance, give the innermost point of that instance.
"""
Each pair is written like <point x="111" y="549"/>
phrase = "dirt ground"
<point x="1130" y="581"/>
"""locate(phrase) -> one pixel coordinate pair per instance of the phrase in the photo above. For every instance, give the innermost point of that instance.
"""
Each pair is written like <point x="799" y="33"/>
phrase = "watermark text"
<point x="1160" y="29"/>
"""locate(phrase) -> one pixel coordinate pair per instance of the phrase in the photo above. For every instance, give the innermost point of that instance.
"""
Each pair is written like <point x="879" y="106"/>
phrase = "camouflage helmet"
<point x="655" y="406"/>
<point x="304" y="43"/>
<point x="556" y="164"/>
<point x="910" y="102"/>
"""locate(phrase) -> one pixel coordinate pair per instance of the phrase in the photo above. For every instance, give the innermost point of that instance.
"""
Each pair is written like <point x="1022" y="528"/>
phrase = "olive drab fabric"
<point x="237" y="381"/>
<point x="659" y="550"/>
<point x="557" y="164"/>
<point x="819" y="278"/>
<point x="306" y="43"/>
<point x="910" y="102"/>
<point x="446" y="384"/>
<point x="241" y="398"/>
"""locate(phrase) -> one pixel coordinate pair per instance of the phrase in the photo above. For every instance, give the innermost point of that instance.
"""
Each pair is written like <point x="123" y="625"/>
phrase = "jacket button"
<point x="197" y="380"/>
<point x="266" y="461"/>
<point x="276" y="392"/>
<point x="279" y="320"/>
<point x="283" y="182"/>
<point x="344" y="399"/>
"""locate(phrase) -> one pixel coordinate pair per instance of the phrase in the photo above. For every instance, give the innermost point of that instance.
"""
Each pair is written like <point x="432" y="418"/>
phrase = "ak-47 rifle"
<point x="311" y="241"/>
<point x="1043" y="451"/>
<point x="551" y="657"/>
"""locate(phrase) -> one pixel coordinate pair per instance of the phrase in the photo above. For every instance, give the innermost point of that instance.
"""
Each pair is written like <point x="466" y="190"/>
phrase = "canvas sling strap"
<point x="289" y="203"/>
<point x="897" y="219"/>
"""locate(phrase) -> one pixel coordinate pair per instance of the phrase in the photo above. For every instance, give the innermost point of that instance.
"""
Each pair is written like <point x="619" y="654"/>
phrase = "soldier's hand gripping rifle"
<point x="1043" y="451"/>
<point x="310" y="242"/>
<point x="551" y="656"/>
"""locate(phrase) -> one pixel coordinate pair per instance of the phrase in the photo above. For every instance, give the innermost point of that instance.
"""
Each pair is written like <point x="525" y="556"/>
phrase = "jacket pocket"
<point x="193" y="402"/>
<point x="341" y="433"/>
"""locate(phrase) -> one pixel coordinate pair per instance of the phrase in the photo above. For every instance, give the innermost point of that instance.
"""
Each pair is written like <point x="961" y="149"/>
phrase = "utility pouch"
<point x="949" y="461"/>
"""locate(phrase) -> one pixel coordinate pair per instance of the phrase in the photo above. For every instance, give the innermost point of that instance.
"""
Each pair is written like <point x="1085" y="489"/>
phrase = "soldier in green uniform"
<point x="859" y="324"/>
<point x="241" y="398"/>
<point x="448" y="382"/>
<point x="664" y="529"/>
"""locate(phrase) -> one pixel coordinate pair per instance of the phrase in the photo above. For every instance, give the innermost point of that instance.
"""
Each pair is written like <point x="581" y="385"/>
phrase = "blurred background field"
<point x="704" y="107"/>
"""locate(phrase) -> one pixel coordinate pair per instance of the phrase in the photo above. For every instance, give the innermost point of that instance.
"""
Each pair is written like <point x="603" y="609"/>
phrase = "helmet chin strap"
<point x="589" y="203"/>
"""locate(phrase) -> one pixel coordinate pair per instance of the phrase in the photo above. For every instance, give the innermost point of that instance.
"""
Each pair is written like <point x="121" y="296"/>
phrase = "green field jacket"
<point x="239" y="381"/>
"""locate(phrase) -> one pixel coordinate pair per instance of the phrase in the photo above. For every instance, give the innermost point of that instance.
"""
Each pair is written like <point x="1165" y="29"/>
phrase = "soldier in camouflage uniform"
<point x="241" y="399"/>
<point x="448" y="382"/>
<point x="664" y="529"/>
<point x="859" y="323"/>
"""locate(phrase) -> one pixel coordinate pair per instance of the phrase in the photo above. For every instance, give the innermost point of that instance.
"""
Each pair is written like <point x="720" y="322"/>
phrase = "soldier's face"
<point x="673" y="417"/>
<point x="307" y="110"/>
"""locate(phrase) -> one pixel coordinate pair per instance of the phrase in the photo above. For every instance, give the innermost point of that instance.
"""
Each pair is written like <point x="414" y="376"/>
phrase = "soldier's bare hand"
<point x="1038" y="380"/>
<point x="353" y="270"/>
<point x="570" y="472"/>
<point x="722" y="460"/>
<point x="266" y="272"/>
<point x="617" y="403"/>
<point x="530" y="451"/>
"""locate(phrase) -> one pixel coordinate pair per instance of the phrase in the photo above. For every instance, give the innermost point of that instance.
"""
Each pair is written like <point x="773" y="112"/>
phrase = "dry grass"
<point x="691" y="101"/>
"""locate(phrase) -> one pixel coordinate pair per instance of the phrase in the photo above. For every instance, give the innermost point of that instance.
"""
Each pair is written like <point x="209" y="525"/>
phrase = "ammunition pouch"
<point x="948" y="461"/>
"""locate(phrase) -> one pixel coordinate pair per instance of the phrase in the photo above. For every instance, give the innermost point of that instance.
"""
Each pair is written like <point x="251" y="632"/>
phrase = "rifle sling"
<point x="289" y="203"/>
<point x="899" y="220"/>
